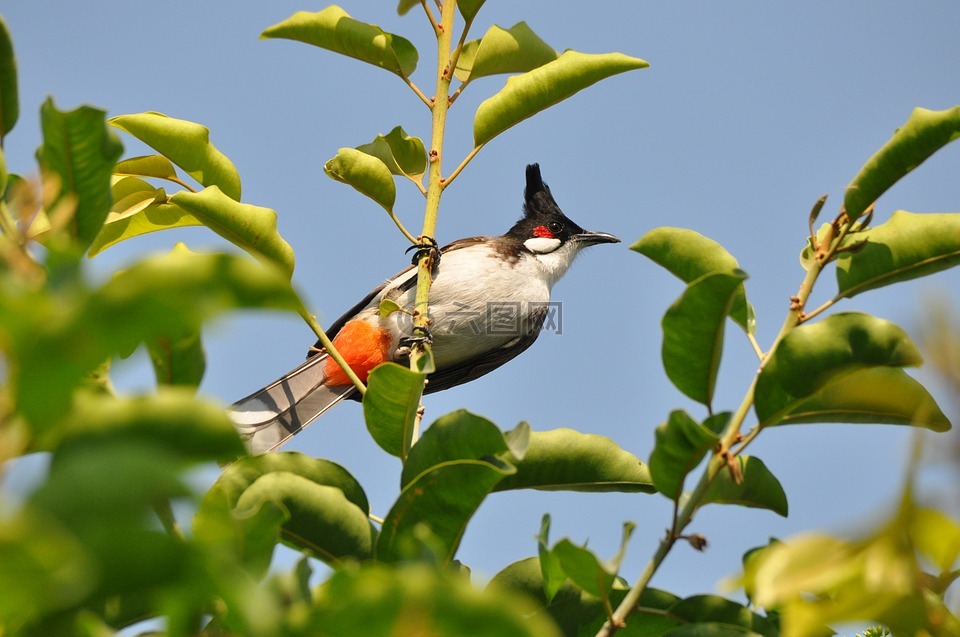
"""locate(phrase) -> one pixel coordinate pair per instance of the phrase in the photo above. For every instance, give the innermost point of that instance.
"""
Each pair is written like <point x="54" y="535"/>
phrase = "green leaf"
<point x="580" y="613"/>
<point x="758" y="488"/>
<point x="387" y="307"/>
<point x="689" y="256"/>
<point x="816" y="580"/>
<point x="513" y="50"/>
<point x="571" y="608"/>
<point x="44" y="569"/>
<point x="402" y="154"/>
<point x="527" y="94"/>
<point x="58" y="338"/>
<point x="710" y="629"/>
<point x="138" y="208"/>
<point x="469" y="8"/>
<point x="317" y="518"/>
<point x="723" y="614"/>
<point x="430" y="516"/>
<point x="366" y="173"/>
<point x="9" y="99"/>
<point x="550" y="569"/>
<point x="814" y="355"/>
<point x="585" y="569"/>
<point x="178" y="361"/>
<point x="102" y="487"/>
<point x="693" y="333"/>
<point x="883" y="395"/>
<point x="906" y="247"/>
<point x="244" y="526"/>
<point x="156" y="166"/>
<point x="173" y="419"/>
<point x="79" y="151"/>
<point x="333" y="29"/>
<point x="459" y="435"/>
<point x="936" y="537"/>
<point x="417" y="599"/>
<point x="406" y="5"/>
<point x="567" y="460"/>
<point x="187" y="145"/>
<point x="924" y="133"/>
<point x="238" y="477"/>
<point x="390" y="406"/>
<point x="680" y="445"/>
<point x="249" y="227"/>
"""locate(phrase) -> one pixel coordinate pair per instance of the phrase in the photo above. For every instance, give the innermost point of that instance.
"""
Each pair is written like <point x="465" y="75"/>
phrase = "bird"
<point x="489" y="299"/>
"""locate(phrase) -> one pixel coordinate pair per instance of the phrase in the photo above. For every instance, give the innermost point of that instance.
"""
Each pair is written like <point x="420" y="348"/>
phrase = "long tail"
<point x="269" y="417"/>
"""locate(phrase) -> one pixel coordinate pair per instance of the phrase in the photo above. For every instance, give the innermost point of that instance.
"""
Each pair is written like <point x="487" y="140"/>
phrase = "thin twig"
<point x="433" y="21"/>
<point x="423" y="98"/>
<point x="328" y="346"/>
<point x="396" y="220"/>
<point x="756" y="346"/>
<point x="463" y="164"/>
<point x="809" y="315"/>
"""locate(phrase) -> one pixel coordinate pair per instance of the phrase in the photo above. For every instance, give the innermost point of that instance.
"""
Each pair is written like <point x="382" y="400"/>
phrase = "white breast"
<point x="479" y="302"/>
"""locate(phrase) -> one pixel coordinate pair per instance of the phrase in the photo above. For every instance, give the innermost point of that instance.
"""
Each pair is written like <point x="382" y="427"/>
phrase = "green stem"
<point x="420" y="356"/>
<point x="463" y="164"/>
<point x="402" y="228"/>
<point x="328" y="346"/>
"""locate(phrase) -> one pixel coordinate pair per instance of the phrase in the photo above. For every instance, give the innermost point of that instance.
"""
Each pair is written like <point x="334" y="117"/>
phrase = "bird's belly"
<point x="472" y="316"/>
<point x="475" y="309"/>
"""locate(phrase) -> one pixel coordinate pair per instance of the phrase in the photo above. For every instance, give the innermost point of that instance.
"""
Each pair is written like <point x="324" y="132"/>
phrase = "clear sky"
<point x="748" y="113"/>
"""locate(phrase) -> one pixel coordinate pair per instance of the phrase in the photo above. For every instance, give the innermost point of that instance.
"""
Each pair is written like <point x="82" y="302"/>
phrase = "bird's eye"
<point x="555" y="226"/>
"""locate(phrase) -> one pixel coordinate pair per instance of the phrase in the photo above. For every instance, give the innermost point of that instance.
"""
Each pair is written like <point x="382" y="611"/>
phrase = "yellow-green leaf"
<point x="513" y="50"/>
<point x="402" y="154"/>
<point x="187" y="145"/>
<point x="527" y="94"/>
<point x="366" y="173"/>
<point x="333" y="29"/>
<point x="885" y="395"/>
<point x="906" y="247"/>
<point x="250" y="227"/>
<point x="924" y="133"/>
<point x="814" y="355"/>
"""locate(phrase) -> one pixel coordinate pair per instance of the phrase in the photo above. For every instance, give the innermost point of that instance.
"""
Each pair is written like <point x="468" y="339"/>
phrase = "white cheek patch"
<point x="542" y="245"/>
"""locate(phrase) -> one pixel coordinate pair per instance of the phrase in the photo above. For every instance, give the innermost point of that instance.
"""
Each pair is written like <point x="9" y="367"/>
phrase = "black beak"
<point x="589" y="238"/>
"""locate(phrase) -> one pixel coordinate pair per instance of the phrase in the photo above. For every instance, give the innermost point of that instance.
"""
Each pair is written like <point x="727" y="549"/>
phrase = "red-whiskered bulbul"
<point x="488" y="302"/>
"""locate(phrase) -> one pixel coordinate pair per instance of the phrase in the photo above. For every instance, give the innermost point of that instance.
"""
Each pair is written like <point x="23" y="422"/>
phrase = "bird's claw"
<point x="425" y="245"/>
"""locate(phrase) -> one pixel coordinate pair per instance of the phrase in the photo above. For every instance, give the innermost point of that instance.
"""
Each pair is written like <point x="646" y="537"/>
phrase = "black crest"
<point x="536" y="196"/>
<point x="539" y="209"/>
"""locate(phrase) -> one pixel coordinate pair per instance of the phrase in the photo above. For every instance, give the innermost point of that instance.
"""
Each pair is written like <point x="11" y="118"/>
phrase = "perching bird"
<point x="488" y="302"/>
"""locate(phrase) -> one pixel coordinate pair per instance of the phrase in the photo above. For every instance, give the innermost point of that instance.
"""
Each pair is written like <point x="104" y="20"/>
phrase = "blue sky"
<point x="748" y="113"/>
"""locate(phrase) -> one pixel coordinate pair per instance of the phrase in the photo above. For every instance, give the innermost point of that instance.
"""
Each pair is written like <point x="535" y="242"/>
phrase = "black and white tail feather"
<point x="269" y="417"/>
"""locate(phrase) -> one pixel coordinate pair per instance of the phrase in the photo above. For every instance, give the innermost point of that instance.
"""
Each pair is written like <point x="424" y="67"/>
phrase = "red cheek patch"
<point x="363" y="346"/>
<point x="542" y="231"/>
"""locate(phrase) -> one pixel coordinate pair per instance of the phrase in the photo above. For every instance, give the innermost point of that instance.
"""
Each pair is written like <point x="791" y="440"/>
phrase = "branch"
<point x="421" y="356"/>
<point x="730" y="436"/>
